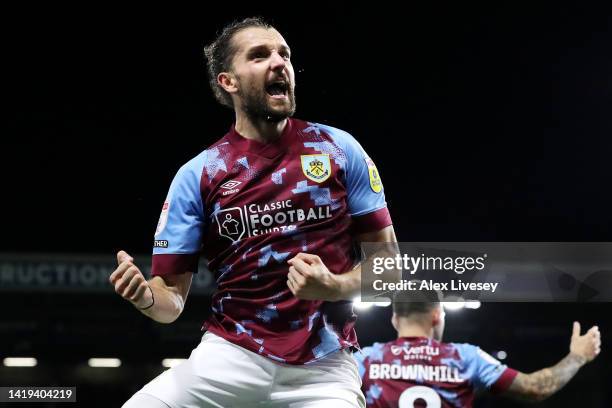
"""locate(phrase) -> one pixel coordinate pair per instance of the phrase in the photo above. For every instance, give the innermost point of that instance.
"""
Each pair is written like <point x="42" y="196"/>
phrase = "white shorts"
<point x="221" y="374"/>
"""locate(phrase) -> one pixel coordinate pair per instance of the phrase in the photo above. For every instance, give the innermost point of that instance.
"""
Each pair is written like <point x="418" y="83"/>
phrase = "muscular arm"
<point x="542" y="384"/>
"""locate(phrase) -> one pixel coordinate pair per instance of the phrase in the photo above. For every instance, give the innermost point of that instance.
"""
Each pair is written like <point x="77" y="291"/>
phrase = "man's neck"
<point x="260" y="130"/>
<point x="414" y="331"/>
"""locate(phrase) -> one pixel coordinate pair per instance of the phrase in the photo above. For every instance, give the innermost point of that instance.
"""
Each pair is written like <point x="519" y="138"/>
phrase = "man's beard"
<point x="255" y="105"/>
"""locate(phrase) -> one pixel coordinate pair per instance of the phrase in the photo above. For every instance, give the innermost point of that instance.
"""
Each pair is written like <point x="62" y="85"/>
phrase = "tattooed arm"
<point x="544" y="383"/>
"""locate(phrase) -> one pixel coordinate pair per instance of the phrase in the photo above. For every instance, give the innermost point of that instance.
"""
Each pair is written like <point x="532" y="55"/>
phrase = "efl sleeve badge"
<point x="375" y="182"/>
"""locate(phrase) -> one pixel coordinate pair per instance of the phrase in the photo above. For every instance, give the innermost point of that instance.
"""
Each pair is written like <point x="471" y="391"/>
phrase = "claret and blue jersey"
<point x="417" y="371"/>
<point x="248" y="207"/>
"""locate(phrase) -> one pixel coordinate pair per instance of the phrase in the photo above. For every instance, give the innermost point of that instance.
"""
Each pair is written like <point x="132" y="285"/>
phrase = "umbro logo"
<point x="230" y="184"/>
<point x="230" y="187"/>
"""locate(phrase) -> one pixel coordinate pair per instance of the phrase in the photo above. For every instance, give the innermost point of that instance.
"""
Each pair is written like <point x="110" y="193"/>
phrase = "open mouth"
<point x="278" y="89"/>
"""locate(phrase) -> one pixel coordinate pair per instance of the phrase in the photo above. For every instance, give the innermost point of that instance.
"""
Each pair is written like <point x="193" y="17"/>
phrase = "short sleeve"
<point x="365" y="192"/>
<point x="178" y="237"/>
<point x="484" y="370"/>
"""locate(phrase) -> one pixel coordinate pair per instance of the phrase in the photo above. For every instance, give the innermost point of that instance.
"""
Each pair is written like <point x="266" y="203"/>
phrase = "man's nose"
<point x="277" y="62"/>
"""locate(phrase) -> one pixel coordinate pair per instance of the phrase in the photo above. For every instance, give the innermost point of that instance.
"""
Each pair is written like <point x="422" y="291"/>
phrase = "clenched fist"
<point x="130" y="283"/>
<point x="309" y="278"/>
<point x="586" y="346"/>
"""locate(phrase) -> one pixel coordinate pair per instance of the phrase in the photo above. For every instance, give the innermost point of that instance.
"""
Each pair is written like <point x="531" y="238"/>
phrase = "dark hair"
<point x="220" y="52"/>
<point x="407" y="303"/>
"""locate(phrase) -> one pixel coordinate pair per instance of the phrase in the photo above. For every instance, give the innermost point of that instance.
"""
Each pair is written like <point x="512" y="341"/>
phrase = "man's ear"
<point x="395" y="321"/>
<point x="436" y="316"/>
<point x="228" y="82"/>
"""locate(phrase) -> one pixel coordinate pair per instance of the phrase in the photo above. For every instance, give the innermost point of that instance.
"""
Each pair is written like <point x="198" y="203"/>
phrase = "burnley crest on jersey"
<point x="316" y="167"/>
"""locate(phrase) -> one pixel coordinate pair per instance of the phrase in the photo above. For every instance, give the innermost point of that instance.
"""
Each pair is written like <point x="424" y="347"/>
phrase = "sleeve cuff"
<point x="174" y="264"/>
<point x="373" y="221"/>
<point x="504" y="381"/>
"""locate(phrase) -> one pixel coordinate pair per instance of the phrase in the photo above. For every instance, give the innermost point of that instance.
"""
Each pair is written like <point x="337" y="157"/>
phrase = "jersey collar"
<point x="267" y="150"/>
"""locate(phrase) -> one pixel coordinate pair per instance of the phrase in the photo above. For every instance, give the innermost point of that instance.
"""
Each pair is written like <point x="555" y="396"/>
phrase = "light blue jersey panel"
<point x="374" y="352"/>
<point x="478" y="366"/>
<point x="363" y="186"/>
<point x="180" y="226"/>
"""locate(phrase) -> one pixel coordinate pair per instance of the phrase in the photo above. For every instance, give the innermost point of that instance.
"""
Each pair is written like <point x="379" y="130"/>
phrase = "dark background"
<point x="487" y="123"/>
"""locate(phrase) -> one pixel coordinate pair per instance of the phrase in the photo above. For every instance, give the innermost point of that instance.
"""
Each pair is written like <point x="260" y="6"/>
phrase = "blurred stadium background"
<point x="487" y="124"/>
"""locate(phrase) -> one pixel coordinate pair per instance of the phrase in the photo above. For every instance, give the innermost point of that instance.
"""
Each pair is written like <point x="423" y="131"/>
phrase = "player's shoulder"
<point x="339" y="136"/>
<point x="466" y="351"/>
<point x="334" y="131"/>
<point x="373" y="350"/>
<point x="211" y="157"/>
<point x="193" y="167"/>
<point x="461" y="346"/>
